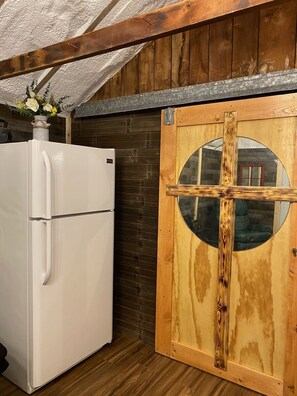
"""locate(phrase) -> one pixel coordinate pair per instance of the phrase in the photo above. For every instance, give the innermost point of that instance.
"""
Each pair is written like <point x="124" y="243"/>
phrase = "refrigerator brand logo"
<point x="109" y="161"/>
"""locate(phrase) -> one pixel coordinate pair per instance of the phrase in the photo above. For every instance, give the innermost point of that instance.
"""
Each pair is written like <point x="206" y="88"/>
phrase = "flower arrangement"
<point x="39" y="104"/>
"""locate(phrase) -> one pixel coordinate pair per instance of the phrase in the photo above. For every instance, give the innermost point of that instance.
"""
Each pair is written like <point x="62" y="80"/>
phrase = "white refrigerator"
<point x="56" y="256"/>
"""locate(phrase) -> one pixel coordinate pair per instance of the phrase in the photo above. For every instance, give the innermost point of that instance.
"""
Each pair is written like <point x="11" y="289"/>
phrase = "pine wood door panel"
<point x="259" y="290"/>
<point x="195" y="262"/>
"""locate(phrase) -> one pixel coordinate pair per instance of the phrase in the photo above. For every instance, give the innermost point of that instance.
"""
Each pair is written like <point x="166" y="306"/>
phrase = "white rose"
<point x="32" y="94"/>
<point x="32" y="104"/>
<point x="47" y="107"/>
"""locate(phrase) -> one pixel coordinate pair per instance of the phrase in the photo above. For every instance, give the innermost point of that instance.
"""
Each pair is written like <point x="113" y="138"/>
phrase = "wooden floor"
<point x="131" y="367"/>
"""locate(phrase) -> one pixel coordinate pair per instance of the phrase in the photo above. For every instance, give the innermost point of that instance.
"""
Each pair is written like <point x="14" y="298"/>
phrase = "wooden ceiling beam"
<point x="145" y="27"/>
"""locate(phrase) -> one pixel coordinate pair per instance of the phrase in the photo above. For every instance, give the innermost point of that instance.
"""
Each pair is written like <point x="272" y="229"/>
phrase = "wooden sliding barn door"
<point x="226" y="303"/>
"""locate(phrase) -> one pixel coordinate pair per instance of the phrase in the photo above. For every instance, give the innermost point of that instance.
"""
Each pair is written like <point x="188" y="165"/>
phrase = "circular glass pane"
<point x="255" y="221"/>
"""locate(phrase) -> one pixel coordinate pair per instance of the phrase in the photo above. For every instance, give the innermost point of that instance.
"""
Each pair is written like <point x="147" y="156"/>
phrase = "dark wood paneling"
<point x="136" y="138"/>
<point x="116" y="85"/>
<point x="277" y="37"/>
<point x="130" y="77"/>
<point x="180" y="60"/>
<point x="199" y="55"/>
<point x="220" y="50"/>
<point x="246" y="44"/>
<point x="104" y="91"/>
<point x="146" y="71"/>
<point x="162" y="63"/>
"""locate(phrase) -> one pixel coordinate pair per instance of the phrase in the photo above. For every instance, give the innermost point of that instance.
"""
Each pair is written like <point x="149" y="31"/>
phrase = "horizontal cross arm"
<point x="234" y="192"/>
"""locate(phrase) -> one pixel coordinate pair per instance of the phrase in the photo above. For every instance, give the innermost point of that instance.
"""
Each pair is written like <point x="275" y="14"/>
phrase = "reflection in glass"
<point x="251" y="232"/>
<point x="255" y="221"/>
<point x="204" y="165"/>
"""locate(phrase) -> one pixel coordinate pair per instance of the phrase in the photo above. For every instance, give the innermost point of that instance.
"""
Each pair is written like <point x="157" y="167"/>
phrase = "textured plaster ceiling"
<point x="28" y="25"/>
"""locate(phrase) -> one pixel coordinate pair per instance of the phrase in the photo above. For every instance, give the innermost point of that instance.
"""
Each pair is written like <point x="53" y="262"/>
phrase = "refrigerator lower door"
<point x="71" y="276"/>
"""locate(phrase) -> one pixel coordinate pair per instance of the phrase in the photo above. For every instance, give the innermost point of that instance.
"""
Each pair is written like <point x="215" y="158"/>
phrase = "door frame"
<point x="279" y="106"/>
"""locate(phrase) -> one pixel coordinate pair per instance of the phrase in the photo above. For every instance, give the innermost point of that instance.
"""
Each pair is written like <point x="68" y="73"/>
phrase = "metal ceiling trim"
<point x="261" y="84"/>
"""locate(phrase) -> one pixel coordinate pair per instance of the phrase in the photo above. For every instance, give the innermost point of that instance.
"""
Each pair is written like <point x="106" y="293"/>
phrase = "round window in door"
<point x="255" y="221"/>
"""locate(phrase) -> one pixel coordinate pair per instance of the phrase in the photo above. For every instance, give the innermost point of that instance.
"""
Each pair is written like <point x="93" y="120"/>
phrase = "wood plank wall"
<point x="256" y="42"/>
<point x="136" y="138"/>
<point x="252" y="43"/>
<point x="21" y="128"/>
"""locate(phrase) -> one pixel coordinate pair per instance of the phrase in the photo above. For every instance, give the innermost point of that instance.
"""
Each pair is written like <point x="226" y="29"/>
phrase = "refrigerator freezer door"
<point x="67" y="179"/>
<point x="71" y="315"/>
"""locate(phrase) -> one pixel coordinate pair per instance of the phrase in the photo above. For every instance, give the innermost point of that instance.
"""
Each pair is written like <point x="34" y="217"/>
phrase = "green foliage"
<point x="37" y="104"/>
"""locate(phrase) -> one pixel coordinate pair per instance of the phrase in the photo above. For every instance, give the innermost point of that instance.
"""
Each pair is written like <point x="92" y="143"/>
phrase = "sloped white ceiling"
<point x="28" y="25"/>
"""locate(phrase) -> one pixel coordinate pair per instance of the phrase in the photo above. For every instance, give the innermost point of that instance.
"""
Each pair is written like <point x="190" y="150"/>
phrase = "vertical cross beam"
<point x="226" y="238"/>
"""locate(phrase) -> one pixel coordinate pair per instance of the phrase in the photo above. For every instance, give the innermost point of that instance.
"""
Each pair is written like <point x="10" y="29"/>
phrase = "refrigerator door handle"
<point x="48" y="253"/>
<point x="48" y="179"/>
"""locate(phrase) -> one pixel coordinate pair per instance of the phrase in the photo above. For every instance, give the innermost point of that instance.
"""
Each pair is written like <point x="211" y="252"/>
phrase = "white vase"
<point x="40" y="127"/>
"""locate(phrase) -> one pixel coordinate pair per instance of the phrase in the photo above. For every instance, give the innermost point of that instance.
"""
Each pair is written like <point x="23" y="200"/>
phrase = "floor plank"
<point x="131" y="367"/>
